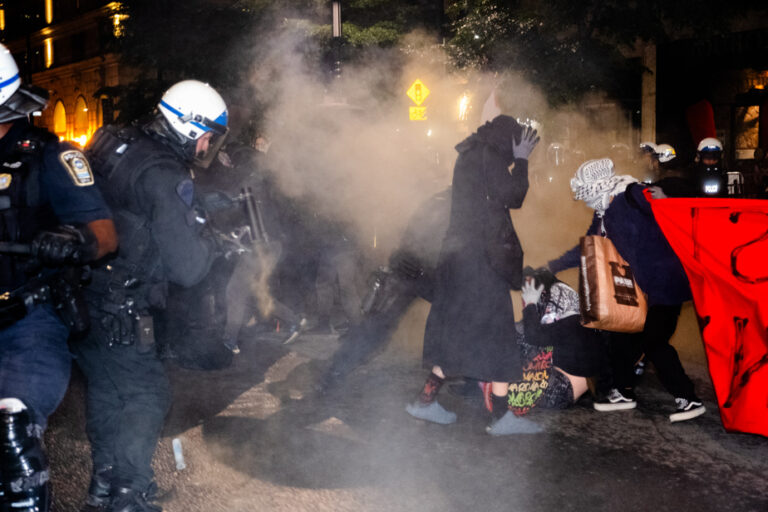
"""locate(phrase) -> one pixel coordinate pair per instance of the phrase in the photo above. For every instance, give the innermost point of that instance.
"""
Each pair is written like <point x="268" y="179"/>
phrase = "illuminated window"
<point x="49" y="11"/>
<point x="81" y="121"/>
<point x="48" y="45"/>
<point x="60" y="120"/>
<point x="2" y="19"/>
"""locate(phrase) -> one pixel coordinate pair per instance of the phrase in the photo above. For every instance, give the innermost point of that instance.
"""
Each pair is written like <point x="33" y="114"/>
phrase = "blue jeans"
<point x="35" y="362"/>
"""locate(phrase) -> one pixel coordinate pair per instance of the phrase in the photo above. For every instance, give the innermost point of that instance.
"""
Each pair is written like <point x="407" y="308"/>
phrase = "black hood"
<point x="500" y="133"/>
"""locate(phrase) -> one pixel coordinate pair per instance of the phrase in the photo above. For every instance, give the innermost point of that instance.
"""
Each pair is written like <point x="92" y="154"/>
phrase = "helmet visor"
<point x="207" y="147"/>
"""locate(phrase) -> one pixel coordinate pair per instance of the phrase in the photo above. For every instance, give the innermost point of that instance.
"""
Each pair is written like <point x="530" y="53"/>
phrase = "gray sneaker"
<point x="433" y="412"/>
<point x="510" y="424"/>
<point x="687" y="409"/>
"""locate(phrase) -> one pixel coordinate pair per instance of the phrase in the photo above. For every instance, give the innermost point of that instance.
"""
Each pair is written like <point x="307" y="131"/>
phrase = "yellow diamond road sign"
<point x="418" y="92"/>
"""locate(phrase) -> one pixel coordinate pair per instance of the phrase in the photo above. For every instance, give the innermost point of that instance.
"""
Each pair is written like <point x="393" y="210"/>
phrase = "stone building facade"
<point x="64" y="46"/>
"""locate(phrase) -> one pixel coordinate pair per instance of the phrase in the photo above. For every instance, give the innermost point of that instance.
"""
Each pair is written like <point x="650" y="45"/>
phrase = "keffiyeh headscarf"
<point x="596" y="182"/>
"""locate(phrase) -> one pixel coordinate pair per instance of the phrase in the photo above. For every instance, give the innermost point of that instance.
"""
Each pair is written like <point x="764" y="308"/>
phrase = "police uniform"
<point x="149" y="188"/>
<point x="43" y="183"/>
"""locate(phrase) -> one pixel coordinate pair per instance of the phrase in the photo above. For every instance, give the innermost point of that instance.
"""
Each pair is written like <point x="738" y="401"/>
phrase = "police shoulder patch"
<point x="78" y="167"/>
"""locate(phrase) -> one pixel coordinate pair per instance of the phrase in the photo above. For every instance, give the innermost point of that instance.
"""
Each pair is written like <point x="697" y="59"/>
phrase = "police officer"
<point x="709" y="175"/>
<point x="146" y="181"/>
<point x="52" y="219"/>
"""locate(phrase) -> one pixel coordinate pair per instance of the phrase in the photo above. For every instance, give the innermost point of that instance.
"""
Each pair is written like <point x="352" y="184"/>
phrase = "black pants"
<point x="127" y="399"/>
<point x="625" y="349"/>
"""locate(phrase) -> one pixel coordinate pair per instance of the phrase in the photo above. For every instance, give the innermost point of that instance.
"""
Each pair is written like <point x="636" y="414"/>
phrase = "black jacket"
<point x="470" y="329"/>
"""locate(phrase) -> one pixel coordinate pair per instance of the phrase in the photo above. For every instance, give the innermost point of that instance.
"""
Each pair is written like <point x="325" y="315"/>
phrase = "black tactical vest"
<point x="24" y="211"/>
<point x="119" y="156"/>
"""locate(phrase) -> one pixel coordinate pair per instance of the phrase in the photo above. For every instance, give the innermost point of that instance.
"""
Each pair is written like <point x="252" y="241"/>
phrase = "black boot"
<point x="24" y="485"/>
<point x="125" y="499"/>
<point x="98" y="490"/>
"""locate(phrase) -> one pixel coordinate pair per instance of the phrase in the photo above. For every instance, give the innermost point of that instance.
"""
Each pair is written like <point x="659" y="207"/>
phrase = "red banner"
<point x="723" y="245"/>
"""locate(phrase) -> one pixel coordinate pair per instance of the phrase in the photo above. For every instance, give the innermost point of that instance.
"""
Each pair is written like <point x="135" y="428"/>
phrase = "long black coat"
<point x="471" y="327"/>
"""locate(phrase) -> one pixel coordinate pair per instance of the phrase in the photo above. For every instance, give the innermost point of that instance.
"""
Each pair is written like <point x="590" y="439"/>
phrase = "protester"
<point x="623" y="213"/>
<point x="471" y="322"/>
<point x="553" y="336"/>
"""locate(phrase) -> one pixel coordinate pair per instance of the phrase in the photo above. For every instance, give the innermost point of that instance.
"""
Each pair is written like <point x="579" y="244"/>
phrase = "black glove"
<point x="66" y="245"/>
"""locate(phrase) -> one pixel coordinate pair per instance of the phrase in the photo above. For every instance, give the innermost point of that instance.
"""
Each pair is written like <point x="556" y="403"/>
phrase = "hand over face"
<point x="528" y="140"/>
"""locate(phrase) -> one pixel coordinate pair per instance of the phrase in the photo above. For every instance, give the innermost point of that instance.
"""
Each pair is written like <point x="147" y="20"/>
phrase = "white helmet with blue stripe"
<point x="9" y="75"/>
<point x="17" y="100"/>
<point x="194" y="108"/>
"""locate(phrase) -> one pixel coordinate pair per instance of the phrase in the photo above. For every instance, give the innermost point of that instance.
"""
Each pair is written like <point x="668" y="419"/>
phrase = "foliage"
<point x="566" y="47"/>
<point x="572" y="47"/>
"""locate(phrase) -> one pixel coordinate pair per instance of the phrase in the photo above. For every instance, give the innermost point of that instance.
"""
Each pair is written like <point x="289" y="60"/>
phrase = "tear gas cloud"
<point x="348" y="149"/>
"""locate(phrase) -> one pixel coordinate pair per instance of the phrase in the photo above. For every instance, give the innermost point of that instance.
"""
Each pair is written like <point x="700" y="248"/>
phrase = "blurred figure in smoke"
<point x="145" y="171"/>
<point x="239" y="175"/>
<point x="656" y="161"/>
<point x="471" y="321"/>
<point x="648" y="162"/>
<point x="392" y="289"/>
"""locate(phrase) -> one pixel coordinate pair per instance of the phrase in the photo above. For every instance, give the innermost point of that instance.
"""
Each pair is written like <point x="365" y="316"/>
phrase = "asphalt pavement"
<point x="256" y="438"/>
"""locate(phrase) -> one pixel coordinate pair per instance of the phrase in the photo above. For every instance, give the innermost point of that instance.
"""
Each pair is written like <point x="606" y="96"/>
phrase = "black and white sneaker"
<point x="616" y="400"/>
<point x="687" y="409"/>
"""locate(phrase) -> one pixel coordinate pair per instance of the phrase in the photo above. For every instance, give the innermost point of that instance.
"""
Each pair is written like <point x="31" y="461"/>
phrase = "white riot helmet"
<point x="193" y="109"/>
<point x="710" y="144"/>
<point x="17" y="101"/>
<point x="10" y="80"/>
<point x="665" y="153"/>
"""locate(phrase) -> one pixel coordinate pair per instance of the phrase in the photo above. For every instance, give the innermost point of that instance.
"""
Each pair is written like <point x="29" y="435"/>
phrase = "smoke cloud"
<point x="347" y="146"/>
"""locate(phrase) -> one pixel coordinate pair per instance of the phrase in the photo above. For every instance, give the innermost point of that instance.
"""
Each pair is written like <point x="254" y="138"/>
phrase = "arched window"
<point x="60" y="119"/>
<point x="81" y="121"/>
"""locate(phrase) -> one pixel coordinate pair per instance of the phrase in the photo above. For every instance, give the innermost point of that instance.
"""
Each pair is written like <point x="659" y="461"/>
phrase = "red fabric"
<point x="701" y="121"/>
<point x="723" y="245"/>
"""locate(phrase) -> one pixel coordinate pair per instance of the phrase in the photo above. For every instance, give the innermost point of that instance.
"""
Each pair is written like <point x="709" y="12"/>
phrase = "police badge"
<point x="77" y="166"/>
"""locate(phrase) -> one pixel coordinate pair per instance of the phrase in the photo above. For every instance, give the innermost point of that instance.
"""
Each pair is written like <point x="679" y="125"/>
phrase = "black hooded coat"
<point x="470" y="330"/>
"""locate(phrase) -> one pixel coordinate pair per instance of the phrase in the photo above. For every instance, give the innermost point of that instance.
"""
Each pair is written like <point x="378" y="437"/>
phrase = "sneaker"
<point x="616" y="400"/>
<point x="687" y="409"/>
<point x="232" y="345"/>
<point x="296" y="331"/>
<point x="433" y="412"/>
<point x="510" y="424"/>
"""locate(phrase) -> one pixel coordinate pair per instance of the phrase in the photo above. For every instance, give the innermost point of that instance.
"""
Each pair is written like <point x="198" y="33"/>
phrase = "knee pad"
<point x="24" y="480"/>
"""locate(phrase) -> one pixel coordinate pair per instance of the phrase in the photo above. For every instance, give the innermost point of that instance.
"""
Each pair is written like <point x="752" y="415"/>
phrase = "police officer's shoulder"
<point x="72" y="160"/>
<point x="57" y="156"/>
